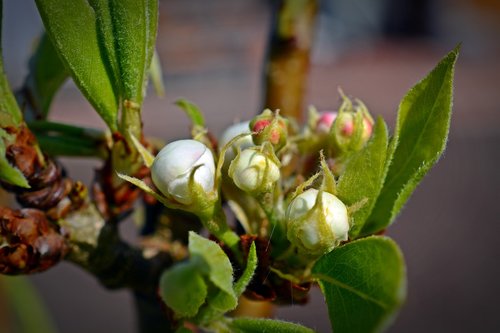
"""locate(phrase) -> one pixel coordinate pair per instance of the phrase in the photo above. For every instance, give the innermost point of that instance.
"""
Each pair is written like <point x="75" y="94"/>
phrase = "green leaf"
<point x="127" y="32"/>
<point x="212" y="261"/>
<point x="71" y="146"/>
<point x="71" y="26"/>
<point x="363" y="177"/>
<point x="246" y="277"/>
<point x="10" y="114"/>
<point x="44" y="126"/>
<point x="259" y="325"/>
<point x="156" y="74"/>
<point x="9" y="173"/>
<point x="183" y="289"/>
<point x="192" y="111"/>
<point x="59" y="139"/>
<point x="135" y="38"/>
<point x="46" y="75"/>
<point x="23" y="298"/>
<point x="143" y="186"/>
<point x="12" y="175"/>
<point x="220" y="302"/>
<point x="364" y="283"/>
<point x="420" y="139"/>
<point x="146" y="155"/>
<point x="106" y="40"/>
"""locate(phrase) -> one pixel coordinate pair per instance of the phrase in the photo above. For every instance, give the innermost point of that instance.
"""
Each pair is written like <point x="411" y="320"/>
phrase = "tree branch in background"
<point x="287" y="63"/>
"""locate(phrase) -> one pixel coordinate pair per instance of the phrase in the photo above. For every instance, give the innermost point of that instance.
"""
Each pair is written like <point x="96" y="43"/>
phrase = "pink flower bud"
<point x="269" y="126"/>
<point x="325" y="121"/>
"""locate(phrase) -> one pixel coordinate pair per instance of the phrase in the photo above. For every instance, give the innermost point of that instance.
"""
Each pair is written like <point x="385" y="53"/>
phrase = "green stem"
<point x="131" y="122"/>
<point x="275" y="216"/>
<point x="125" y="158"/>
<point x="216" y="223"/>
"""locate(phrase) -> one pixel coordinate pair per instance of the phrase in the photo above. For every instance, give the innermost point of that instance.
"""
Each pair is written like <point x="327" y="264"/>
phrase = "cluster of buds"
<point x="251" y="163"/>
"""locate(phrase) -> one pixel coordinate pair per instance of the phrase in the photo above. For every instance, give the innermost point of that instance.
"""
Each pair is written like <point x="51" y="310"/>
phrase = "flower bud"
<point x="174" y="164"/>
<point x="325" y="121"/>
<point x="316" y="225"/>
<point x="253" y="171"/>
<point x="269" y="126"/>
<point x="351" y="129"/>
<point x="243" y="143"/>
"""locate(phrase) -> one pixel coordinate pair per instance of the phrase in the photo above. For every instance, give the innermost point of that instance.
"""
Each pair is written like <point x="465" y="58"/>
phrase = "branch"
<point x="81" y="234"/>
<point x="287" y="64"/>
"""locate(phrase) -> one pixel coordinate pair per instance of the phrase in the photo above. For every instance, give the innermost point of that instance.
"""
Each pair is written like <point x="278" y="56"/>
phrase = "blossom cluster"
<point x="279" y="178"/>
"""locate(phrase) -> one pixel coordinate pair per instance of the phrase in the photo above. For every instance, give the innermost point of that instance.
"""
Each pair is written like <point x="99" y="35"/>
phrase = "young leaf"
<point x="192" y="111"/>
<point x="9" y="173"/>
<point x="183" y="289"/>
<point x="46" y="75"/>
<point x="213" y="262"/>
<point x="59" y="139"/>
<point x="127" y="29"/>
<point x="364" y="283"/>
<point x="363" y="177"/>
<point x="63" y="145"/>
<point x="71" y="26"/>
<point x="146" y="155"/>
<point x="12" y="175"/>
<point x="143" y="186"/>
<point x="156" y="75"/>
<point x="246" y="277"/>
<point x="258" y="325"/>
<point x="419" y="140"/>
<point x="219" y="303"/>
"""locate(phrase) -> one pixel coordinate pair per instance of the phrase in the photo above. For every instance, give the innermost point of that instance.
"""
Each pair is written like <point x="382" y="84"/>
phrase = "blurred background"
<point x="212" y="54"/>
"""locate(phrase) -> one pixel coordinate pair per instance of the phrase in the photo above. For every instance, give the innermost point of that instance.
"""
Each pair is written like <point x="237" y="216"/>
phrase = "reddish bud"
<point x="260" y="125"/>
<point x="325" y="121"/>
<point x="351" y="129"/>
<point x="269" y="126"/>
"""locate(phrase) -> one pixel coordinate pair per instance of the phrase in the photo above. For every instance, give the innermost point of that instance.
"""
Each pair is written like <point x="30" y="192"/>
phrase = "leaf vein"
<point x="359" y="293"/>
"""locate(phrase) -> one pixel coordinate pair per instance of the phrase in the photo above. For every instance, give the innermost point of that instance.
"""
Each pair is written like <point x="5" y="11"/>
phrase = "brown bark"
<point x="287" y="66"/>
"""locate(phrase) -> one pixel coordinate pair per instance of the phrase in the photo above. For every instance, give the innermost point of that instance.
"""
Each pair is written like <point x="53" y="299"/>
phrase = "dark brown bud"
<point x="31" y="242"/>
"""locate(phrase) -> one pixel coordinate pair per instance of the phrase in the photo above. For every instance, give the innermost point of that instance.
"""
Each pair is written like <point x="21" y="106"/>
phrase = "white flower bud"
<point x="253" y="172"/>
<point x="174" y="164"/>
<point x="316" y="229"/>
<point x="243" y="143"/>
